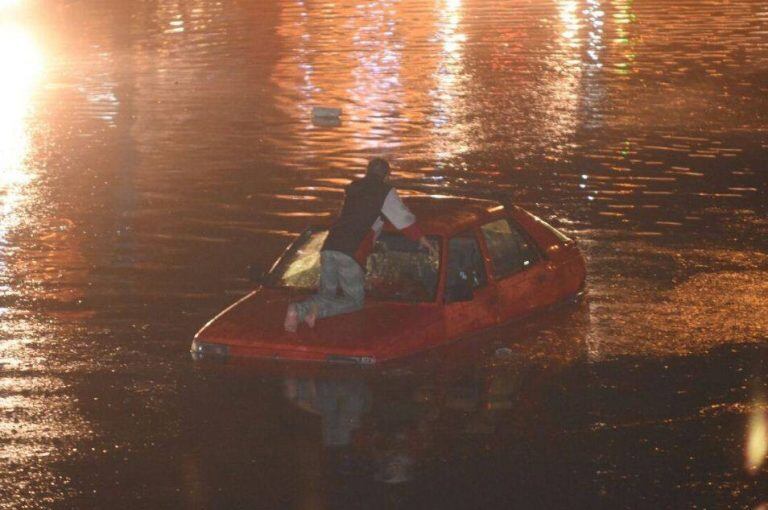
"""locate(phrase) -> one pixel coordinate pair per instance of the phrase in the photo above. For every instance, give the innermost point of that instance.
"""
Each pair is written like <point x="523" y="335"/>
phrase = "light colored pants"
<point x="337" y="271"/>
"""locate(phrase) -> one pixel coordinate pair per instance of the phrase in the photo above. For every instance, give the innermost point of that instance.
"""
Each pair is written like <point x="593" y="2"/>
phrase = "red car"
<point x="495" y="265"/>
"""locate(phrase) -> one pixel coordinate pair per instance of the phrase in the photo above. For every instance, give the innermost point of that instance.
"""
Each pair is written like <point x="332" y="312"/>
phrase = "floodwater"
<point x="151" y="150"/>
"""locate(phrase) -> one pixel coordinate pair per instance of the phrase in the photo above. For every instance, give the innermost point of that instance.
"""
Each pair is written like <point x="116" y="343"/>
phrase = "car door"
<point x="470" y="297"/>
<point x="518" y="268"/>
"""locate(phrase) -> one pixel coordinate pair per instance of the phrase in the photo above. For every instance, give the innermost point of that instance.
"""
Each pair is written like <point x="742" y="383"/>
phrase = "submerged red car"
<point x="495" y="264"/>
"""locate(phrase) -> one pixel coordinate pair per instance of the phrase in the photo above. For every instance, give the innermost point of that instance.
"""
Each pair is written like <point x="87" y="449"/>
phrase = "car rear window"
<point x="562" y="237"/>
<point x="510" y="250"/>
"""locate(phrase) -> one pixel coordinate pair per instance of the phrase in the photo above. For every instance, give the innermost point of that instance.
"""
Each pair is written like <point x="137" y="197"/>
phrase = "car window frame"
<point x="514" y="226"/>
<point x="475" y="234"/>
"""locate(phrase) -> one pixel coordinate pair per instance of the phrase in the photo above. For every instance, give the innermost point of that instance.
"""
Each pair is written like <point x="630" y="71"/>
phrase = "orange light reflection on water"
<point x="451" y="134"/>
<point x="756" y="448"/>
<point x="356" y="58"/>
<point x="5" y="4"/>
<point x="36" y="416"/>
<point x="22" y="57"/>
<point x="559" y="100"/>
<point x="23" y="61"/>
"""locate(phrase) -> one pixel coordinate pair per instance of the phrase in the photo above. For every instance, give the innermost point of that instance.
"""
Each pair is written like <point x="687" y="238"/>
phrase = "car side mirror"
<point x="460" y="290"/>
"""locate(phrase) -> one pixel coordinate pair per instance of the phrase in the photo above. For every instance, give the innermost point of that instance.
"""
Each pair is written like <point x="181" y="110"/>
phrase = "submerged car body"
<point x="495" y="264"/>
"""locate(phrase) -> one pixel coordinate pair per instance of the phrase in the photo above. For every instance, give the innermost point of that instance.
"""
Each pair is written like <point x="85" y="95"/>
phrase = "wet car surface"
<point x="493" y="265"/>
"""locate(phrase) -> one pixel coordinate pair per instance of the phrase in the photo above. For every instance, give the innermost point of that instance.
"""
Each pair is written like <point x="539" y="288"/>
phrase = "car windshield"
<point x="397" y="270"/>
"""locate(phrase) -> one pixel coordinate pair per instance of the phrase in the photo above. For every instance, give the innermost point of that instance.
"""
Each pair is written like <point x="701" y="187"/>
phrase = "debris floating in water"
<point x="326" y="116"/>
<point x="325" y="112"/>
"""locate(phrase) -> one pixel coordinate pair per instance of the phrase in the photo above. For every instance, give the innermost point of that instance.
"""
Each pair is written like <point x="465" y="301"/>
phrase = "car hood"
<point x="381" y="329"/>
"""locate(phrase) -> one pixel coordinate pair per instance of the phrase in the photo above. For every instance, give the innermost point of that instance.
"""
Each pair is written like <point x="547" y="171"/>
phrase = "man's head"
<point x="378" y="168"/>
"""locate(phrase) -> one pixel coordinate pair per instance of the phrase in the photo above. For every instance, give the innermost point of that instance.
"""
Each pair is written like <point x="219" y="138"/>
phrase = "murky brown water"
<point x="150" y="151"/>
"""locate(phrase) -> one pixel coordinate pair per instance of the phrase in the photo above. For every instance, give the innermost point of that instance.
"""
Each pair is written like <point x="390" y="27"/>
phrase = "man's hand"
<point x="427" y="245"/>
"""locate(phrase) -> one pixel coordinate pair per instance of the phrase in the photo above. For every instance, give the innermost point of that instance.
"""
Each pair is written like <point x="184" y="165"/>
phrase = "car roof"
<point x="446" y="215"/>
<point x="442" y="215"/>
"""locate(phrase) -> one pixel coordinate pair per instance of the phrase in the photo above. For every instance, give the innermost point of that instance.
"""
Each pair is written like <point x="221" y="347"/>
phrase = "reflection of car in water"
<point x="495" y="264"/>
<point x="397" y="423"/>
<point x="339" y="402"/>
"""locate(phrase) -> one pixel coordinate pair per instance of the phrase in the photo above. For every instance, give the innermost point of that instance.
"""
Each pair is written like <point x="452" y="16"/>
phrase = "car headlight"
<point x="200" y="350"/>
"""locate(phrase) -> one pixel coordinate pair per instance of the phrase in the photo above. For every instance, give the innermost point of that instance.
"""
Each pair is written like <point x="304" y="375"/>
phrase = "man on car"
<point x="350" y="240"/>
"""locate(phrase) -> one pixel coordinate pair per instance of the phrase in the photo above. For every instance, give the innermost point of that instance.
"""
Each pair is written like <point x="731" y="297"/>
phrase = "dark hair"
<point x="378" y="168"/>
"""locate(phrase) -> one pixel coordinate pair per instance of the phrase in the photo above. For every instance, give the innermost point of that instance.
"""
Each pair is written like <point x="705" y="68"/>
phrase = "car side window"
<point x="465" y="270"/>
<point x="510" y="251"/>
